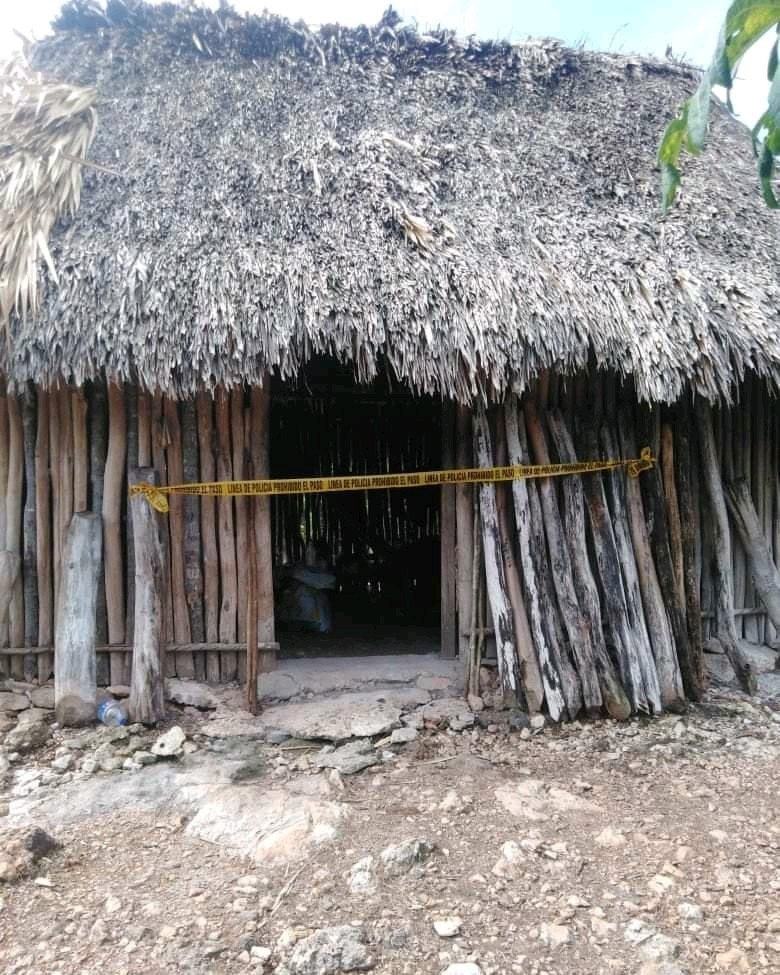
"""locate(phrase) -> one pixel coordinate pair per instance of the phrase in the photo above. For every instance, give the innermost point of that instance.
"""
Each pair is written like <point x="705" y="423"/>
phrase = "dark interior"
<point x="376" y="551"/>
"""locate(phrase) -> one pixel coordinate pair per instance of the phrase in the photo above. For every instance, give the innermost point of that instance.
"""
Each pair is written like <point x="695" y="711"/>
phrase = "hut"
<point x="366" y="251"/>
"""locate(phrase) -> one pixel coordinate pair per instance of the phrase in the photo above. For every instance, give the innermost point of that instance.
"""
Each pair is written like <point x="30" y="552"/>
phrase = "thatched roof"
<point x="463" y="213"/>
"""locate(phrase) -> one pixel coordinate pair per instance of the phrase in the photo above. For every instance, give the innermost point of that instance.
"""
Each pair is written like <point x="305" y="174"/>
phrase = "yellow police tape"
<point x="157" y="496"/>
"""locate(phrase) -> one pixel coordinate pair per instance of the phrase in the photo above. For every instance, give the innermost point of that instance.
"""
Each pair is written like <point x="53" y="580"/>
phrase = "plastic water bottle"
<point x="111" y="713"/>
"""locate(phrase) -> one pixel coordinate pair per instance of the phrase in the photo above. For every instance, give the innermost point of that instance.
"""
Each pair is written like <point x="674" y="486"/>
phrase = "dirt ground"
<point x="651" y="847"/>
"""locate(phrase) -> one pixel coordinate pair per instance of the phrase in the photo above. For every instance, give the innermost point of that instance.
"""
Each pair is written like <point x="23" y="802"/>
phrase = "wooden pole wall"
<point x="69" y="450"/>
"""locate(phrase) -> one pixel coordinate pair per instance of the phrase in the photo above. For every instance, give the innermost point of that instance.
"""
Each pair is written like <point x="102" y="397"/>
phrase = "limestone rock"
<point x="330" y="951"/>
<point x="28" y="734"/>
<point x="462" y="968"/>
<point x="190" y="693"/>
<point x="348" y="759"/>
<point x="399" y="858"/>
<point x="9" y="701"/>
<point x="447" y="927"/>
<point x="610" y="837"/>
<point x="535" y="800"/>
<point x="361" y="879"/>
<point x="43" y="697"/>
<point x="170" y="744"/>
<point x="732" y="961"/>
<point x="555" y="935"/>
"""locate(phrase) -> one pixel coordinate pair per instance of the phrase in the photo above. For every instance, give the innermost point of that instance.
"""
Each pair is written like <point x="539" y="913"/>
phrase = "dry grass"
<point x="46" y="129"/>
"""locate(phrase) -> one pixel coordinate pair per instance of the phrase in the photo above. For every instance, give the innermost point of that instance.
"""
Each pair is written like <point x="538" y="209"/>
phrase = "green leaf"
<point x="772" y="67"/>
<point x="766" y="171"/>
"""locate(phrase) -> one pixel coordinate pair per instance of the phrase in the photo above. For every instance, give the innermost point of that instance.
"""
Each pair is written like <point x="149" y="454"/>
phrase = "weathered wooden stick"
<point x="239" y="506"/>
<point x="160" y="464"/>
<point x="147" y="699"/>
<point x="208" y="530"/>
<point x="75" y="677"/>
<point x="615" y="699"/>
<point x="80" y="459"/>
<point x="193" y="576"/>
<point x="145" y="429"/>
<point x="43" y="536"/>
<point x="112" y="513"/>
<point x="447" y="540"/>
<point x="56" y="494"/>
<point x="170" y="648"/>
<point x="725" y="630"/>
<point x="10" y="570"/>
<point x="529" y="665"/>
<point x="30" y="523"/>
<point x="672" y="507"/>
<point x="227" y="539"/>
<point x="689" y="538"/>
<point x="251" y="619"/>
<point x="98" y="445"/>
<point x="574" y="623"/>
<point x="13" y="532"/>
<point x="464" y="518"/>
<point x="628" y="568"/>
<point x="766" y="578"/>
<point x="551" y="618"/>
<point x="548" y="656"/>
<point x="260" y="399"/>
<point x="131" y="461"/>
<point x="501" y="610"/>
<point x="65" y="482"/>
<point x="755" y="628"/>
<point x="607" y="565"/>
<point x="3" y="490"/>
<point x="185" y="667"/>
<point x="658" y="605"/>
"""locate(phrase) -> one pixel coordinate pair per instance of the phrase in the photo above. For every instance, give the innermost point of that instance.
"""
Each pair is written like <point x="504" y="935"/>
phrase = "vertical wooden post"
<point x="159" y="431"/>
<point x="240" y="506"/>
<point x="722" y="569"/>
<point x="80" y="461"/>
<point x="227" y="539"/>
<point x="98" y="446"/>
<point x="449" y="622"/>
<point x="13" y="533"/>
<point x="29" y="529"/>
<point x="193" y="576"/>
<point x="263" y="546"/>
<point x="185" y="665"/>
<point x="208" y="530"/>
<point x="43" y="538"/>
<point x="766" y="577"/>
<point x="112" y="528"/>
<point x="464" y="519"/>
<point x="251" y="619"/>
<point x="55" y="447"/>
<point x="689" y="535"/>
<point x="144" y="429"/>
<point x="501" y="610"/>
<point x="131" y="461"/>
<point x="75" y="681"/>
<point x="147" y="698"/>
<point x="66" y="461"/>
<point x="4" y="661"/>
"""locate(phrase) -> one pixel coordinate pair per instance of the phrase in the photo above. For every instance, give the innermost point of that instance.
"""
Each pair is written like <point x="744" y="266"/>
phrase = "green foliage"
<point x="746" y="22"/>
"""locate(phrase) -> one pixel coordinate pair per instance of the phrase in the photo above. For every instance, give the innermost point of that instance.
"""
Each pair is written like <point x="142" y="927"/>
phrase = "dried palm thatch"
<point x="464" y="213"/>
<point x="46" y="129"/>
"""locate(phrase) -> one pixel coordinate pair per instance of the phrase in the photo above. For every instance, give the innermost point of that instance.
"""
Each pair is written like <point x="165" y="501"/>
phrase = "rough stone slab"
<point x="444" y="710"/>
<point x="265" y="825"/>
<point x="348" y="759"/>
<point x="226" y="723"/>
<point x="10" y="701"/>
<point x="361" y="714"/>
<point x="329" y="675"/>
<point x="330" y="951"/>
<point x="536" y="800"/>
<point x="191" y="693"/>
<point x="43" y="697"/>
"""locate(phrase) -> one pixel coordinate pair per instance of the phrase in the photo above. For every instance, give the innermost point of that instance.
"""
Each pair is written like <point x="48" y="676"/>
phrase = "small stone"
<point x="660" y="884"/>
<point x="331" y="950"/>
<point x="659" y="948"/>
<point x="167" y="932"/>
<point x="348" y="759"/>
<point x="733" y="960"/>
<point x="144" y="758"/>
<point x="213" y="949"/>
<point x="475" y="703"/>
<point x="402" y="736"/>
<point x="4" y="808"/>
<point x="401" y="857"/>
<point x="537" y="722"/>
<point x="63" y="763"/>
<point x="462" y="968"/>
<point x="690" y="912"/>
<point x="13" y="702"/>
<point x="720" y="835"/>
<point x="460" y="722"/>
<point x="555" y="935"/>
<point x="361" y="879"/>
<point x="43" y="697"/>
<point x="447" y="927"/>
<point x="170" y="744"/>
<point x="190" y="693"/>
<point x="112" y="904"/>
<point x="260" y="954"/>
<point x="602" y="928"/>
<point x="610" y="837"/>
<point x="98" y="932"/>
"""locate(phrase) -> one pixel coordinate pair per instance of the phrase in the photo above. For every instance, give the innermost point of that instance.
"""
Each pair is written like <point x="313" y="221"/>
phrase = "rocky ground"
<point x="441" y="838"/>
